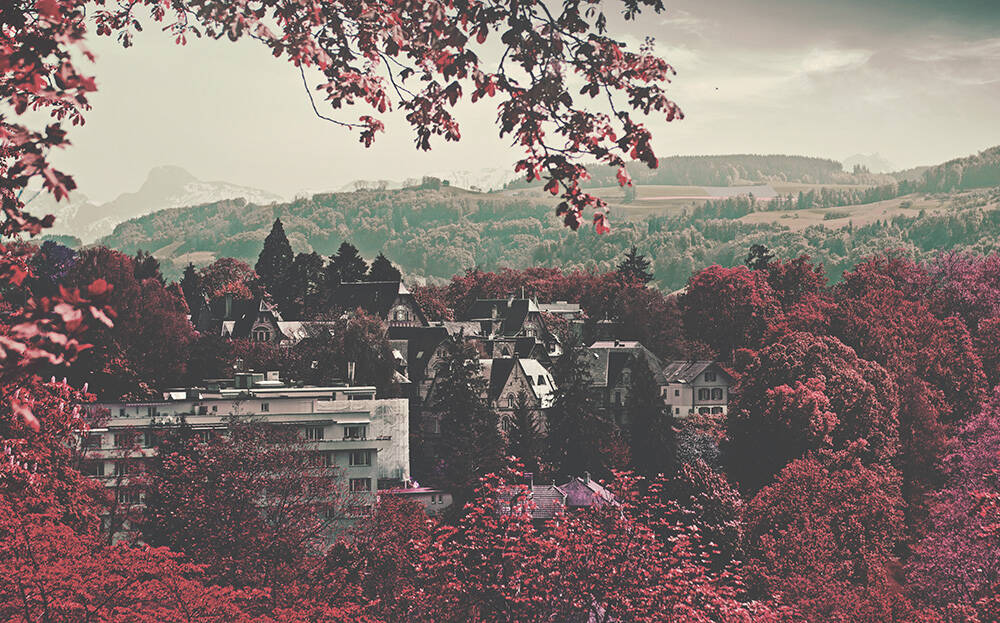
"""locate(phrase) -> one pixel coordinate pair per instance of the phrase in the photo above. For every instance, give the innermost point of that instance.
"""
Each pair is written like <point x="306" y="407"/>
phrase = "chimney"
<point x="586" y="478"/>
<point x="350" y="372"/>
<point x="229" y="305"/>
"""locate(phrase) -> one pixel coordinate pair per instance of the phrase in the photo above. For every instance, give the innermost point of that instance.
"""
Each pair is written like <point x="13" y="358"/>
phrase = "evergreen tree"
<point x="760" y="256"/>
<point x="470" y="438"/>
<point x="345" y="266"/>
<point x="275" y="259"/>
<point x="651" y="433"/>
<point x="191" y="287"/>
<point x="299" y="295"/>
<point x="383" y="270"/>
<point x="578" y="430"/>
<point x="524" y="439"/>
<point x="635" y="268"/>
<point x="145" y="266"/>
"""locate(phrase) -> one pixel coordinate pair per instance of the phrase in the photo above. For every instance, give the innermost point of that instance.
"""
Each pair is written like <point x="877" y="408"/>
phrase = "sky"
<point x="915" y="81"/>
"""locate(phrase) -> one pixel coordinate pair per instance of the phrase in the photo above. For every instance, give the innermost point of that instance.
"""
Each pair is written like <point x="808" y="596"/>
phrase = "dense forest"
<point x="438" y="233"/>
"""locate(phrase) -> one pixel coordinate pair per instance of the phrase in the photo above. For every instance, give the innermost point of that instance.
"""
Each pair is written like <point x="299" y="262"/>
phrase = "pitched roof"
<point x="245" y="315"/>
<point x="544" y="392"/>
<point x="420" y="345"/>
<point x="375" y="297"/>
<point x="585" y="492"/>
<point x="511" y="312"/>
<point x="609" y="358"/>
<point x="687" y="371"/>
<point x="497" y="371"/>
<point x="548" y="501"/>
<point x="298" y="330"/>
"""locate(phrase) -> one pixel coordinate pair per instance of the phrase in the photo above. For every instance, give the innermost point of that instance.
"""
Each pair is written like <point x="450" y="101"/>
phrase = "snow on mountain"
<point x="164" y="187"/>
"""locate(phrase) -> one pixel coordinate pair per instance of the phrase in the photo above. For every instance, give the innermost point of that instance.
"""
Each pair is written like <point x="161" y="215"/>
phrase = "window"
<point x="626" y="377"/>
<point x="330" y="459"/>
<point x="215" y="408"/>
<point x="121" y="412"/>
<point x="122" y="468"/>
<point x="123" y="440"/>
<point x="361" y="484"/>
<point x="261" y="335"/>
<point x="506" y="425"/>
<point x="92" y="468"/>
<point x="677" y="411"/>
<point x="356" y="431"/>
<point x="127" y="497"/>
<point x="716" y="409"/>
<point x="93" y="441"/>
<point x="704" y="410"/>
<point x="717" y="393"/>
<point x="265" y="407"/>
<point x="360" y="458"/>
<point x="511" y="401"/>
<point x="314" y="433"/>
<point x="618" y="397"/>
<point x="704" y="394"/>
<point x="677" y="392"/>
<point x="710" y="377"/>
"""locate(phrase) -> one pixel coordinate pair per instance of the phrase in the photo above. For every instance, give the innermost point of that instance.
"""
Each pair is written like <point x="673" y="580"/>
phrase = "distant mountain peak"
<point x="167" y="176"/>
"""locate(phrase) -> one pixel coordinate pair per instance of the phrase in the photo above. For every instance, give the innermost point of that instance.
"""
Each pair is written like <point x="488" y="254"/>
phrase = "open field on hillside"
<point x="856" y="215"/>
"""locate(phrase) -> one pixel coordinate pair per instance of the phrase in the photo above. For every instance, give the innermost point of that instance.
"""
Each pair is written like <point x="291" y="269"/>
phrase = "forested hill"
<point x="729" y="170"/>
<point x="439" y="233"/>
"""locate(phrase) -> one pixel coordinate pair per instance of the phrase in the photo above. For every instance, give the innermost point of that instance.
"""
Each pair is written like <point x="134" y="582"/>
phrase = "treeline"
<point x="438" y="233"/>
<point x="727" y="170"/>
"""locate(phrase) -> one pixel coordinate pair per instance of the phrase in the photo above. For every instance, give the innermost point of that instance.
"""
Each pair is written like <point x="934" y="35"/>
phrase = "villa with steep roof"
<point x="696" y="387"/>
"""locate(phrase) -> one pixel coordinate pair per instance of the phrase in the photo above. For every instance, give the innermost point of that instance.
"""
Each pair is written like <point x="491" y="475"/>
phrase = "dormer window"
<point x="261" y="335"/>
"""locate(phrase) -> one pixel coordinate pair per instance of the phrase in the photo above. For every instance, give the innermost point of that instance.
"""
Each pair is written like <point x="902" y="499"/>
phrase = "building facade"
<point x="701" y="387"/>
<point x="365" y="437"/>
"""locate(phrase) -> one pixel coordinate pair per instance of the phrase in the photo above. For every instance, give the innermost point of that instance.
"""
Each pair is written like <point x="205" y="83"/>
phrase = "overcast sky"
<point x="914" y="80"/>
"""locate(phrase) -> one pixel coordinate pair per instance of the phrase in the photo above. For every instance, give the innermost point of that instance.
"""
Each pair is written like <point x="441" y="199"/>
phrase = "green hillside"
<point x="436" y="233"/>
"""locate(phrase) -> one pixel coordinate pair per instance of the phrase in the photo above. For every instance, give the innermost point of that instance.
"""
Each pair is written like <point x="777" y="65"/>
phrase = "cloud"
<point x="821" y="61"/>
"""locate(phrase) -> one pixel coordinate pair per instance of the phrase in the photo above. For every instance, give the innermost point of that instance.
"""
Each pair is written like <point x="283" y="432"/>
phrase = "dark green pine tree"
<point x="191" y="287"/>
<point x="346" y="265"/>
<point x="650" y="427"/>
<point x="635" y="268"/>
<point x="524" y="439"/>
<point x="300" y="294"/>
<point x="759" y="256"/>
<point x="145" y="266"/>
<point x="275" y="260"/>
<point x="383" y="270"/>
<point x="578" y="429"/>
<point x="470" y="444"/>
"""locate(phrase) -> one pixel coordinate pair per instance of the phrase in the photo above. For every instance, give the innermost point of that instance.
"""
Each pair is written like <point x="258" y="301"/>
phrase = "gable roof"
<point x="543" y="392"/>
<point x="245" y="316"/>
<point x="687" y="371"/>
<point x="420" y="345"/>
<point x="498" y="372"/>
<point x="375" y="297"/>
<point x="585" y="492"/>
<point x="609" y="358"/>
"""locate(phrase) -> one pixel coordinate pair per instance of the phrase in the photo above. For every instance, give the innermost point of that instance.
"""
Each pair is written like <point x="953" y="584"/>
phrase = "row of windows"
<point x="361" y="484"/>
<point x="352" y="431"/>
<point x="714" y="394"/>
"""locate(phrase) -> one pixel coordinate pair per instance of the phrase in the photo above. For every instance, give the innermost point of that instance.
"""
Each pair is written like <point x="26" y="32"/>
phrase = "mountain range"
<point x="165" y="187"/>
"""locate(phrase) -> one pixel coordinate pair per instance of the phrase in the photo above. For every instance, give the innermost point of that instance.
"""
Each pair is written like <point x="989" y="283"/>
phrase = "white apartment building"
<point x="366" y="437"/>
